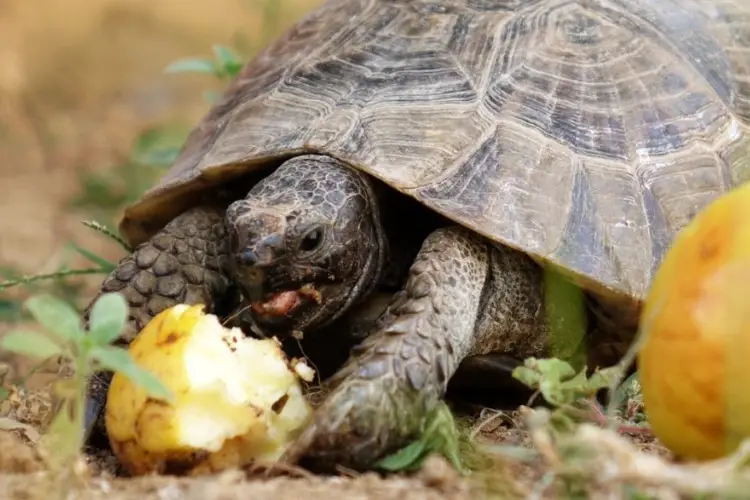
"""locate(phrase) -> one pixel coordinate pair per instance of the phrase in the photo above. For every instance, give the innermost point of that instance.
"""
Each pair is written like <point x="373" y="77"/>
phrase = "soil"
<point x="23" y="478"/>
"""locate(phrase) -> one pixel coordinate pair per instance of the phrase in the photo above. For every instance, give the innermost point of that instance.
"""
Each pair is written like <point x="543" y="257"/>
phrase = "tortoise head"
<point x="306" y="244"/>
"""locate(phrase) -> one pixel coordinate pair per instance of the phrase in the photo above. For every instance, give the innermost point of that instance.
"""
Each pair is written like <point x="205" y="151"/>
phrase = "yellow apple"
<point x="237" y="400"/>
<point x="694" y="361"/>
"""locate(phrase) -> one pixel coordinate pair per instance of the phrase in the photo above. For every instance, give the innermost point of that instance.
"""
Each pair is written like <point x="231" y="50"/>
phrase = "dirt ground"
<point x="23" y="479"/>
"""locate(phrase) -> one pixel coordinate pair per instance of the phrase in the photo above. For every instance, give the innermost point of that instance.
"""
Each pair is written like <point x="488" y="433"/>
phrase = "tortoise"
<point x="446" y="153"/>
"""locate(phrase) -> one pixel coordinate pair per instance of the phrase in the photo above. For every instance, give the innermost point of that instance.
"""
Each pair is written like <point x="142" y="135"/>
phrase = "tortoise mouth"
<point x="283" y="307"/>
<point x="282" y="303"/>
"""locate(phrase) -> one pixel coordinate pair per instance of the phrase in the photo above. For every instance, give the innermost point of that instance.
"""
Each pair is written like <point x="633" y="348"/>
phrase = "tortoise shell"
<point x="584" y="133"/>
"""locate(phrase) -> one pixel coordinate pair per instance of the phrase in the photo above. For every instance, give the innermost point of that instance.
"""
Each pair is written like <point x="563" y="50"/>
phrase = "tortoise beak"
<point x="251" y="263"/>
<point x="263" y="254"/>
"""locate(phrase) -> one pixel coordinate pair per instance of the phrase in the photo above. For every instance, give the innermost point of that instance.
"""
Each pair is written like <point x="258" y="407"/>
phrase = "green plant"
<point x="573" y="393"/>
<point x="87" y="351"/>
<point x="102" y="266"/>
<point x="225" y="65"/>
<point x="439" y="435"/>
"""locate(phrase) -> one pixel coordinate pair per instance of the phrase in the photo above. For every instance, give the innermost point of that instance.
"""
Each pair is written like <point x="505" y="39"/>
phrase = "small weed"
<point x="439" y="435"/>
<point x="107" y="232"/>
<point x="225" y="65"/>
<point x="559" y="383"/>
<point x="573" y="394"/>
<point x="56" y="283"/>
<point x="87" y="351"/>
<point x="102" y="266"/>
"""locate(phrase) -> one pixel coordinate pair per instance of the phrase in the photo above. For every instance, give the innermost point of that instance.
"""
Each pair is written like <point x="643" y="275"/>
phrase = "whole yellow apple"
<point x="694" y="360"/>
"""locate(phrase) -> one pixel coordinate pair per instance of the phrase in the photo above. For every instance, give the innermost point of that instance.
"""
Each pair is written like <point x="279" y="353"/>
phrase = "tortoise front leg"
<point x="186" y="262"/>
<point x="463" y="297"/>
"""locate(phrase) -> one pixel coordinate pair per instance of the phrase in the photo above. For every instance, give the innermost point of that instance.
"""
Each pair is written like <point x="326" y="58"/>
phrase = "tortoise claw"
<point x="92" y="413"/>
<point x="359" y="423"/>
<point x="94" y="431"/>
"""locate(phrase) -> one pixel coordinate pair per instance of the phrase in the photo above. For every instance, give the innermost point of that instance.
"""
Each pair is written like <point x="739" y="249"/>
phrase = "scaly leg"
<point x="463" y="297"/>
<point x="186" y="262"/>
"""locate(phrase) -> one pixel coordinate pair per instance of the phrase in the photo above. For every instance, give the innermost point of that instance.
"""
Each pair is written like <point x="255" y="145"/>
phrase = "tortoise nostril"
<point x="247" y="258"/>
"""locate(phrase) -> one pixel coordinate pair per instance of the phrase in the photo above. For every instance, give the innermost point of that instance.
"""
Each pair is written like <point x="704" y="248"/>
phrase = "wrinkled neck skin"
<point x="307" y="244"/>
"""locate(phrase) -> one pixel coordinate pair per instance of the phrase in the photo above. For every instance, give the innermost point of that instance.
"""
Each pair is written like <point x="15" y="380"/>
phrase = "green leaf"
<point x="191" y="65"/>
<point x="626" y="390"/>
<point x="403" y="459"/>
<point x="602" y="379"/>
<point x="224" y="55"/>
<point x="4" y="393"/>
<point x="106" y="265"/>
<point x="442" y="436"/>
<point x="528" y="377"/>
<point x="558" y="382"/>
<point x="108" y="318"/>
<point x="555" y="369"/>
<point x="58" y="276"/>
<point x="227" y="60"/>
<point x="537" y="372"/>
<point x="119" y="360"/>
<point x="439" y="435"/>
<point x="56" y="315"/>
<point x="30" y="344"/>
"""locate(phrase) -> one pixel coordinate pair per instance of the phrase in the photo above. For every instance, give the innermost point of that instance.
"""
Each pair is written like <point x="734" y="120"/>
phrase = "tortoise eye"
<point x="312" y="239"/>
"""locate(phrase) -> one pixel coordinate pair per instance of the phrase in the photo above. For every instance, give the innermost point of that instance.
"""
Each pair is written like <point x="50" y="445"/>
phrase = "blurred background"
<point x="86" y="109"/>
<point x="89" y="119"/>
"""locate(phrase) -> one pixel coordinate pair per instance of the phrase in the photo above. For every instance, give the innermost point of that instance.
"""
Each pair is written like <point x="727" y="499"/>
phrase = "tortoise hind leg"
<point x="186" y="262"/>
<point x="463" y="297"/>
